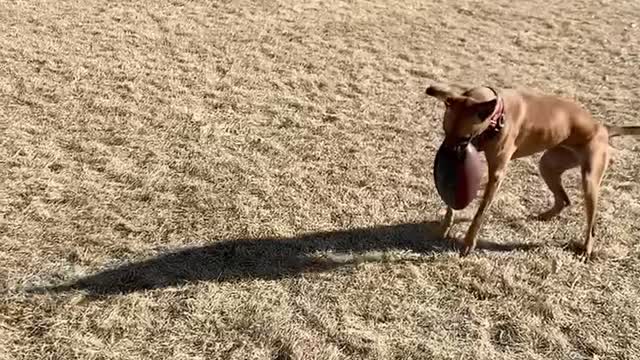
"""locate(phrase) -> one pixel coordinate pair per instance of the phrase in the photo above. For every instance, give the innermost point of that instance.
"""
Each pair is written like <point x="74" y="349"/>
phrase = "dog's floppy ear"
<point x="440" y="93"/>
<point x="485" y="109"/>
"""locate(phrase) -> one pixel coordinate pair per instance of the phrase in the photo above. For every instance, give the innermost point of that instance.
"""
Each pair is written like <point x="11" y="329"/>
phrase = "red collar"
<point x="496" y="120"/>
<point x="496" y="123"/>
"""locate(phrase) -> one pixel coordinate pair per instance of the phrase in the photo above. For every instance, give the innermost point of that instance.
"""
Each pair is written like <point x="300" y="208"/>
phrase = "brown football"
<point x="457" y="174"/>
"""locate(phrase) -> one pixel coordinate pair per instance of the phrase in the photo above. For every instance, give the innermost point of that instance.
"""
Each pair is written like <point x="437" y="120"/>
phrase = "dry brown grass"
<point x="252" y="180"/>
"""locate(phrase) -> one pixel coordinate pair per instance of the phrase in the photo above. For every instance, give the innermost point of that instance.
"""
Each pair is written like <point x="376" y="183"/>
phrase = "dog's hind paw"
<point x="548" y="215"/>
<point x="581" y="253"/>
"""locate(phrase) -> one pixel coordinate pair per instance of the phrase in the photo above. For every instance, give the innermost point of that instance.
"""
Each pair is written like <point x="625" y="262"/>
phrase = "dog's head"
<point x="466" y="115"/>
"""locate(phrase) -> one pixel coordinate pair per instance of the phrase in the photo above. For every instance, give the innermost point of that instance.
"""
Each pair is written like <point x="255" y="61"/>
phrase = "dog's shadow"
<point x="267" y="258"/>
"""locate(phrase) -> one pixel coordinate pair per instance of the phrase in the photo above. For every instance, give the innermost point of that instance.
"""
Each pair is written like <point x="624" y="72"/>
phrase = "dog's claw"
<point x="583" y="258"/>
<point x="465" y="251"/>
<point x="586" y="257"/>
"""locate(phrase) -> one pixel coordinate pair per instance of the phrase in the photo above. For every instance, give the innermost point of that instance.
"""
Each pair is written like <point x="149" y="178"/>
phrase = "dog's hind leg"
<point x="553" y="164"/>
<point x="593" y="169"/>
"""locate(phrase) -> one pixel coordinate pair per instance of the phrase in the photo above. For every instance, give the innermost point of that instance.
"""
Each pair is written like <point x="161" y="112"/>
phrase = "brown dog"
<point x="510" y="124"/>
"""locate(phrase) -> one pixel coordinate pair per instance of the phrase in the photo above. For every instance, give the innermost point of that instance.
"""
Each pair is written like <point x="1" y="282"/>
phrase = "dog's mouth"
<point x="458" y="145"/>
<point x="451" y="141"/>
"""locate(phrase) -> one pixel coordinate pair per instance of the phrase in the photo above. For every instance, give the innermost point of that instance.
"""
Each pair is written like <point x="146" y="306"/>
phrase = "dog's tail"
<point x="622" y="130"/>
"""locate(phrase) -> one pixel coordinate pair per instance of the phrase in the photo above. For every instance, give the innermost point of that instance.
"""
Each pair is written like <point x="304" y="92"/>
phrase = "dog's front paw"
<point x="466" y="250"/>
<point x="469" y="243"/>
<point x="446" y="224"/>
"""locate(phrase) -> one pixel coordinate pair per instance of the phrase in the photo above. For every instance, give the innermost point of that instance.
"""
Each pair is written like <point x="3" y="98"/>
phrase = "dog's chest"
<point x="535" y="140"/>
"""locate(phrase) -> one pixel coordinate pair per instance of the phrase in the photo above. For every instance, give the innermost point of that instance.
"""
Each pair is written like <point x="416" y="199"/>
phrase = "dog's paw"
<point x="583" y="257"/>
<point x="548" y="215"/>
<point x="554" y="211"/>
<point x="581" y="253"/>
<point x="465" y="251"/>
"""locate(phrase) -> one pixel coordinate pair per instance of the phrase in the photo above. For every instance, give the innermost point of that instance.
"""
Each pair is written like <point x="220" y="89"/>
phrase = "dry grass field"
<point x="253" y="180"/>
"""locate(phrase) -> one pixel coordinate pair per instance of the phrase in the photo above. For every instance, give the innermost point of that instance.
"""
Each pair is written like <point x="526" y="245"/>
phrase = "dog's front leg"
<point x="446" y="223"/>
<point x="496" y="174"/>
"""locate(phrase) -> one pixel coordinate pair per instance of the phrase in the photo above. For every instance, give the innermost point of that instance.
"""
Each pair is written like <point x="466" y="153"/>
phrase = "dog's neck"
<point x="496" y="120"/>
<point x="496" y="123"/>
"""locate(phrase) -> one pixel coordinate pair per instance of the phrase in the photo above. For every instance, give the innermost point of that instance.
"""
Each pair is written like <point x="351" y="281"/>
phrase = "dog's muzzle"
<point x="458" y="145"/>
